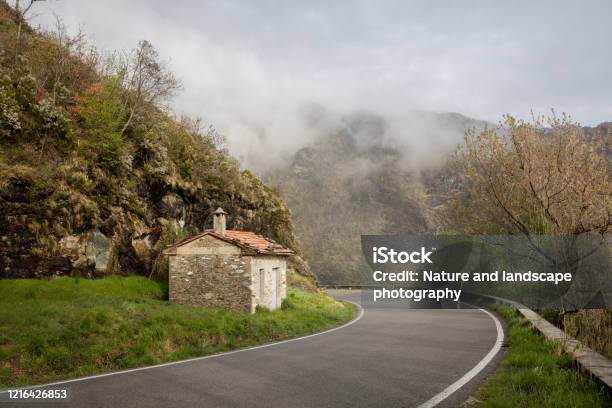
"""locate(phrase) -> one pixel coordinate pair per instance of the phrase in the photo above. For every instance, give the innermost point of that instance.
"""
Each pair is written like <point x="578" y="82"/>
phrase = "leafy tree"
<point x="101" y="111"/>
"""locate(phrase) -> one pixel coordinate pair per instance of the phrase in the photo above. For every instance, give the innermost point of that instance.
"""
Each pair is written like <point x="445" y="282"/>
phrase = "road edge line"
<point x="467" y="377"/>
<point x="189" y="360"/>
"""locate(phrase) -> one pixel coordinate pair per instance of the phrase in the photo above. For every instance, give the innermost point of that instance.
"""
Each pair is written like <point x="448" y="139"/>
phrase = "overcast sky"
<point x="247" y="66"/>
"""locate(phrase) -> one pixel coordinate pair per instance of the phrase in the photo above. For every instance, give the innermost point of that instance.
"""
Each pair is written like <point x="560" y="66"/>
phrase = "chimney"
<point x="219" y="221"/>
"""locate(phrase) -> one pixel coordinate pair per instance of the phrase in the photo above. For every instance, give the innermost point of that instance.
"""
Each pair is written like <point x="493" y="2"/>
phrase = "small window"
<point x="262" y="283"/>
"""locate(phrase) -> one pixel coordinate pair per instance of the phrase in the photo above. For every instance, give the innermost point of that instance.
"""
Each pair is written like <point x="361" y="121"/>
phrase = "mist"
<point x="250" y="69"/>
<point x="424" y="140"/>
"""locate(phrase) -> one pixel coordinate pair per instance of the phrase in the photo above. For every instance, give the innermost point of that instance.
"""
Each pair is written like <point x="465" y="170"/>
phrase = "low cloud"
<point x="249" y="68"/>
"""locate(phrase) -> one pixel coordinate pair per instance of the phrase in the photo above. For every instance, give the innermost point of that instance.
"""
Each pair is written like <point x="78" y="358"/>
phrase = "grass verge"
<point x="537" y="373"/>
<point x="64" y="327"/>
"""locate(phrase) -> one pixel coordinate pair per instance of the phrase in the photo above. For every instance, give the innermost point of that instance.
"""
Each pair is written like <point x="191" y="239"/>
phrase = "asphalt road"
<point x="388" y="358"/>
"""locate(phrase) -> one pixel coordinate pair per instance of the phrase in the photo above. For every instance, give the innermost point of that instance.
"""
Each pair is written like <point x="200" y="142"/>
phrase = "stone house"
<point x="228" y="269"/>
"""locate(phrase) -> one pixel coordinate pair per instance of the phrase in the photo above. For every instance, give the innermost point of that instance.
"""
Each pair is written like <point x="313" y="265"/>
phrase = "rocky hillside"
<point x="96" y="177"/>
<point x="357" y="179"/>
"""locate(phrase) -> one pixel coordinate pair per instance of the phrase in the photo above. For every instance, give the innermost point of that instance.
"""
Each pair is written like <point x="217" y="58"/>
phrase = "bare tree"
<point x="66" y="48"/>
<point x="196" y="127"/>
<point x="21" y="15"/>
<point x="147" y="80"/>
<point x="543" y="177"/>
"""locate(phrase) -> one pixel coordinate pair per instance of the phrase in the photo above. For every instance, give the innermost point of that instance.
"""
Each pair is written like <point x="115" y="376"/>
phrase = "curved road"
<point x="388" y="358"/>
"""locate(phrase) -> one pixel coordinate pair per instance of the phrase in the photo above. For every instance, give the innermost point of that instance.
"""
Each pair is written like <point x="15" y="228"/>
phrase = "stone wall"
<point x="217" y="281"/>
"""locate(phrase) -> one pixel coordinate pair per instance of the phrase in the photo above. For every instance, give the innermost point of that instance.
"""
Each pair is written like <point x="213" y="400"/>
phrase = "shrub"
<point x="10" y="122"/>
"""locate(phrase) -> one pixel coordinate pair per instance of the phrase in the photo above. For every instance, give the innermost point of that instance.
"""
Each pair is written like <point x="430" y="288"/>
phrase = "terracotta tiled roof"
<point x="249" y="242"/>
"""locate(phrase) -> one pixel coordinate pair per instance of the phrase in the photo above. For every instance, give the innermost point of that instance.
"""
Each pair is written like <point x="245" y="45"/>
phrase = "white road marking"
<point x="91" y="377"/>
<point x="428" y="404"/>
<point x="474" y="371"/>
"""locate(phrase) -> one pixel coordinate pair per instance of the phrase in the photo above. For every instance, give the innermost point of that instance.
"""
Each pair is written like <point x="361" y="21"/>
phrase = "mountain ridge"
<point x="355" y="178"/>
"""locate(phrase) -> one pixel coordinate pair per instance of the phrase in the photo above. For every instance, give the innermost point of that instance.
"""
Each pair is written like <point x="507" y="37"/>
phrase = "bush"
<point x="10" y="122"/>
<point x="53" y="127"/>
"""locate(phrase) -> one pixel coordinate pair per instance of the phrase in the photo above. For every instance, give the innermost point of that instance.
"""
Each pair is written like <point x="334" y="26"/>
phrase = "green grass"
<point x="537" y="373"/>
<point x="64" y="327"/>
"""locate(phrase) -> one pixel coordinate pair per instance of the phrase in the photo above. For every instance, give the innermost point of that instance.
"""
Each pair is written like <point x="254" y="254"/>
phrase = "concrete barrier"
<point x="591" y="362"/>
